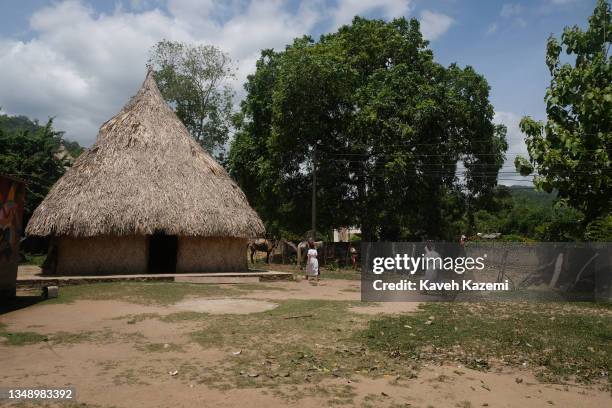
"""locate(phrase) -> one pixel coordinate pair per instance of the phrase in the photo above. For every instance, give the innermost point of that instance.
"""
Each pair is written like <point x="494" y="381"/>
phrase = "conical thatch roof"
<point x="145" y="173"/>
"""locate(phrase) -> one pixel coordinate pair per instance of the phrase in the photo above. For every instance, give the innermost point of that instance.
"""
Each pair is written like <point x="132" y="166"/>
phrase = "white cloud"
<point x="433" y="25"/>
<point x="347" y="9"/>
<point x="81" y="65"/>
<point x="515" y="13"/>
<point x="521" y="22"/>
<point x="511" y="10"/>
<point x="562" y="2"/>
<point x="491" y="29"/>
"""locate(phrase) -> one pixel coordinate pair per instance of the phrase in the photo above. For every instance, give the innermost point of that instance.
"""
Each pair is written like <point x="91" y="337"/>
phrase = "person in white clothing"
<point x="431" y="273"/>
<point x="312" y="264"/>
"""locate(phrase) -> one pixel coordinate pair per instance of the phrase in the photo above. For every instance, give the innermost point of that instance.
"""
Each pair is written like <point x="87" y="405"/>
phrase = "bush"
<point x="600" y="230"/>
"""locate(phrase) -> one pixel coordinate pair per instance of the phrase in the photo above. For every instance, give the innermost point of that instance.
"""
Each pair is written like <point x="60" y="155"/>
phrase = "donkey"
<point x="262" y="245"/>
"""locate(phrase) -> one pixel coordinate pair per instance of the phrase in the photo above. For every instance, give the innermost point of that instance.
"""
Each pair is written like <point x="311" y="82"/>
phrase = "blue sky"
<point x="80" y="61"/>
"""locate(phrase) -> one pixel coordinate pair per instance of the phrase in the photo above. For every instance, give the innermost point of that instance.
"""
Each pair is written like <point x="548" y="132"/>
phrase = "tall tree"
<point x="30" y="152"/>
<point x="194" y="80"/>
<point x="571" y="151"/>
<point x="388" y="125"/>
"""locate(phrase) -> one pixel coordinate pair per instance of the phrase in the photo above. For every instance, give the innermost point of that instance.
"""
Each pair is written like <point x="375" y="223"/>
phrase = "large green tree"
<point x="30" y="152"/>
<point x="380" y="122"/>
<point x="571" y="151"/>
<point x="194" y="80"/>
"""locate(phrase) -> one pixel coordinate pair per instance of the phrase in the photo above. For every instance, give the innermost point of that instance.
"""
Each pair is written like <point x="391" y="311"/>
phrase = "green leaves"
<point x="30" y="152"/>
<point x="389" y="124"/>
<point x="193" y="79"/>
<point x="523" y="166"/>
<point x="571" y="152"/>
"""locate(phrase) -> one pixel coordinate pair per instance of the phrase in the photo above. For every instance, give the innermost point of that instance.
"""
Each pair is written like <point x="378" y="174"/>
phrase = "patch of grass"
<point x="64" y="338"/>
<point x="75" y="338"/>
<point x="148" y="293"/>
<point x="135" y="318"/>
<point x="251" y="287"/>
<point x="348" y="274"/>
<point x="21" y="338"/>
<point x="314" y="319"/>
<point x="183" y="316"/>
<point x="33" y="259"/>
<point x="558" y="340"/>
<point x="299" y="342"/>
<point x="129" y="376"/>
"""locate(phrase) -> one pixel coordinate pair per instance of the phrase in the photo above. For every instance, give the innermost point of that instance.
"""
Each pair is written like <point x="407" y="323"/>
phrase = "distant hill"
<point x="21" y="124"/>
<point x="12" y="124"/>
<point x="532" y="197"/>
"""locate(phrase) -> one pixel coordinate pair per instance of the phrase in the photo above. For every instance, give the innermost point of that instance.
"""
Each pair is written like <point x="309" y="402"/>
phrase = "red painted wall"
<point x="12" y="195"/>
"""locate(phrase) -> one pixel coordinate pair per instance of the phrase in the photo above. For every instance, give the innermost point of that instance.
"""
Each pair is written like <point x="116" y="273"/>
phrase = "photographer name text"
<point x="426" y="285"/>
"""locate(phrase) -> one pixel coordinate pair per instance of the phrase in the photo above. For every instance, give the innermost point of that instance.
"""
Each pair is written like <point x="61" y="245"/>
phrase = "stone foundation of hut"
<point x="137" y="254"/>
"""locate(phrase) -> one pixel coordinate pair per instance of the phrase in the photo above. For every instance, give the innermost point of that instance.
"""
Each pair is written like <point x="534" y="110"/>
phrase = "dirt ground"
<point x="122" y="353"/>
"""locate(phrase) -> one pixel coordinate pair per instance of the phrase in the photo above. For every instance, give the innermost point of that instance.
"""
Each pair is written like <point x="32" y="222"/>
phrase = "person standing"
<point x="430" y="256"/>
<point x="353" y="253"/>
<point x="312" y="263"/>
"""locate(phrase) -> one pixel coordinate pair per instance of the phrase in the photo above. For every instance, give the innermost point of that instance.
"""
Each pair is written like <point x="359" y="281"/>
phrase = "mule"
<point x="262" y="245"/>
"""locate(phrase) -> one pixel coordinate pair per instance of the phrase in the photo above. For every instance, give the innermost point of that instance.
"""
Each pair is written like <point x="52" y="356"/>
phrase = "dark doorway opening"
<point x="162" y="253"/>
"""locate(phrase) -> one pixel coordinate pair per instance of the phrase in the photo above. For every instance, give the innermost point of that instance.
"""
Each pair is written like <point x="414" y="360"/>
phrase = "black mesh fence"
<point x="434" y="271"/>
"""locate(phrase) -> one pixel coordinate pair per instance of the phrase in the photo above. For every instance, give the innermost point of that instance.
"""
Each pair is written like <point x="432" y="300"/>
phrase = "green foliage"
<point x="148" y="293"/>
<point x="20" y="338"/>
<point x="73" y="148"/>
<point x="522" y="214"/>
<point x="29" y="151"/>
<point x="571" y="151"/>
<point x="600" y="229"/>
<point x="515" y="238"/>
<point x="192" y="78"/>
<point x="388" y="124"/>
<point x="562" y="224"/>
<point x="37" y="260"/>
<point x="17" y="124"/>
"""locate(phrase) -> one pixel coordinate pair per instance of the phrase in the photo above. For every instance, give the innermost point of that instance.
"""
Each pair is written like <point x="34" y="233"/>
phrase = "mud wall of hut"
<point x="103" y="255"/>
<point x="211" y="254"/>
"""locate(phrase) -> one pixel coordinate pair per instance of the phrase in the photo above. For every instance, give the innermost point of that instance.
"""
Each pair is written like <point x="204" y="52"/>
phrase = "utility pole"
<point x="314" y="193"/>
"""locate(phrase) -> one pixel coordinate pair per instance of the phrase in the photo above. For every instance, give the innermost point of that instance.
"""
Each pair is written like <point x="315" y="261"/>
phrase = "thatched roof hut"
<point x="146" y="185"/>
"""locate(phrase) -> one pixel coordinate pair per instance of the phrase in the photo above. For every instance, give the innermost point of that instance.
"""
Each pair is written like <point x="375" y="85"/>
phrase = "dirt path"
<point x="122" y="354"/>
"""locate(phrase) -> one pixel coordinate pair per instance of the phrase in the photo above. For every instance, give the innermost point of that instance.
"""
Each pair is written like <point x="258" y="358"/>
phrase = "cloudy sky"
<point x="80" y="60"/>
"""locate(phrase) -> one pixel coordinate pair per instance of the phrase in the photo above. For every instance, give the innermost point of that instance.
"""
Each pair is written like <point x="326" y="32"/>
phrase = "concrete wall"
<point x="104" y="255"/>
<point x="211" y="254"/>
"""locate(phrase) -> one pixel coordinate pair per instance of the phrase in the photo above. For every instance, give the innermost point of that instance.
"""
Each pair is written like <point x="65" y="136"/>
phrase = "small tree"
<point x="571" y="151"/>
<point x="193" y="79"/>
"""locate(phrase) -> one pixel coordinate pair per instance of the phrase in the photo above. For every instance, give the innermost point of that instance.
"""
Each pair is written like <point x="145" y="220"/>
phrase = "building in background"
<point x="345" y="234"/>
